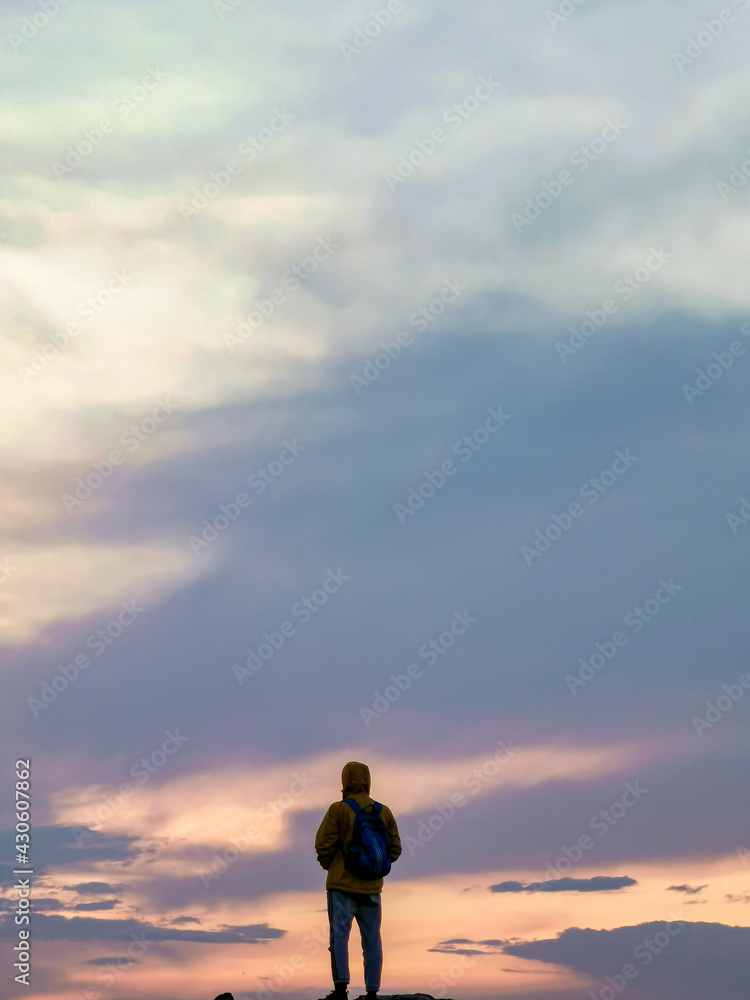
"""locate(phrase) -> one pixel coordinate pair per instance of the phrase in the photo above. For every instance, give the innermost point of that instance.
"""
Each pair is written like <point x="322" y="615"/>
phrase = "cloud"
<point x="532" y="972"/>
<point x="459" y="951"/>
<point x="449" y="947"/>
<point x="120" y="209"/>
<point x="104" y="904"/>
<point x="690" y="890"/>
<point x="56" y="846"/>
<point x="40" y="903"/>
<point x="672" y="960"/>
<point x="55" y="583"/>
<point x="94" y="888"/>
<point x="597" y="883"/>
<point x="116" y="960"/>
<point x="269" y="807"/>
<point x="537" y="819"/>
<point x="55" y="928"/>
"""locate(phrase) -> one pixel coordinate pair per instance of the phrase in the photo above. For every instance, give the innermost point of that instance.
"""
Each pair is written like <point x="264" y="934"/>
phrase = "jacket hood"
<point x="355" y="777"/>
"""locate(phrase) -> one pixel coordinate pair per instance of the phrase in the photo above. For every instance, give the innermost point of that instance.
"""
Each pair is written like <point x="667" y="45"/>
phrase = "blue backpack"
<point x="369" y="854"/>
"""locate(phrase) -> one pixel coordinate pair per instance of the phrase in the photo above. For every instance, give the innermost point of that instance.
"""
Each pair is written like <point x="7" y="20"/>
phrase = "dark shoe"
<point x="337" y="993"/>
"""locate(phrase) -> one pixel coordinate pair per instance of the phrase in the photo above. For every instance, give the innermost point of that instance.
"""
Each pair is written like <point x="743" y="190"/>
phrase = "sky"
<point x="373" y="382"/>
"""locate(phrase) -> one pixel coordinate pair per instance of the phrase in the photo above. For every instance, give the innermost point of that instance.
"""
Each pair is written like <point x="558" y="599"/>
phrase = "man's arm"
<point x="393" y="838"/>
<point x="326" y="839"/>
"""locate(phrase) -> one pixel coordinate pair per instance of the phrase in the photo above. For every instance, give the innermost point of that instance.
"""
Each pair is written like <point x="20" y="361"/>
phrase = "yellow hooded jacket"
<point x="335" y="832"/>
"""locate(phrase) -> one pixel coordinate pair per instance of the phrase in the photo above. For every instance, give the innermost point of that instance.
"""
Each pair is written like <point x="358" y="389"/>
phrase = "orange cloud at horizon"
<point x="271" y="792"/>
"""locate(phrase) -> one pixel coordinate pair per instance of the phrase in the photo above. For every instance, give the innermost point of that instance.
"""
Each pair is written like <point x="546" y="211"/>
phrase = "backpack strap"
<point x="357" y="808"/>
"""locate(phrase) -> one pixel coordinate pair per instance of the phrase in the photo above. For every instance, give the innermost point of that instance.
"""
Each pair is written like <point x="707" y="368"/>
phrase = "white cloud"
<point x="54" y="583"/>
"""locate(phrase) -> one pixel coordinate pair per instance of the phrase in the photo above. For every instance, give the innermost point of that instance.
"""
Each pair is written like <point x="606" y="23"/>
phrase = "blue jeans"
<point x="343" y="907"/>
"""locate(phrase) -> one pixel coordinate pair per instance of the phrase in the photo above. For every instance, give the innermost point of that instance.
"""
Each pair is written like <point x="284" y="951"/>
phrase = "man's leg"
<point x="368" y="915"/>
<point x="340" y="913"/>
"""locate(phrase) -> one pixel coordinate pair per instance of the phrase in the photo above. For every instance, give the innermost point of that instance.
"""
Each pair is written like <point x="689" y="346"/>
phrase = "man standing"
<point x="351" y="897"/>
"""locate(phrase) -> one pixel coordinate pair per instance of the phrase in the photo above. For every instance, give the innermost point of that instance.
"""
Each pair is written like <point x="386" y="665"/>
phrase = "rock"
<point x="405" y="996"/>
